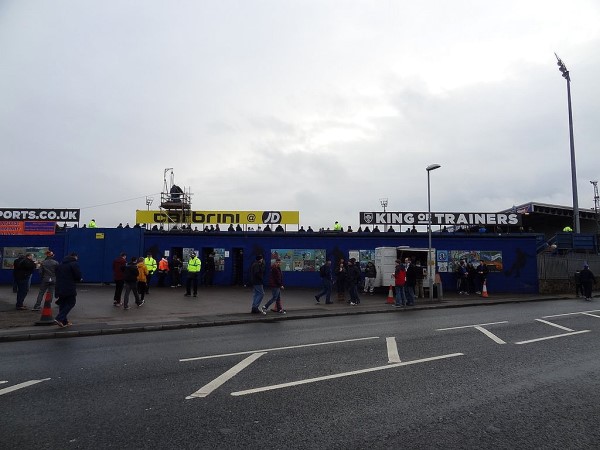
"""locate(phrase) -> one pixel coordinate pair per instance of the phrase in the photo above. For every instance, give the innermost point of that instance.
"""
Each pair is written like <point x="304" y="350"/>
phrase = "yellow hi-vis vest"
<point x="150" y="263"/>
<point x="194" y="264"/>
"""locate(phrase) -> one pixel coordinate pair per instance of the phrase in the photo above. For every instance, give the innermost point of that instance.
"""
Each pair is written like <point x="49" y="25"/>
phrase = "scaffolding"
<point x="175" y="202"/>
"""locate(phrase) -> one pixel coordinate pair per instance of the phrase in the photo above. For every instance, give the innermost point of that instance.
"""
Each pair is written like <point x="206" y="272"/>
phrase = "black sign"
<point x="437" y="218"/>
<point x="53" y="215"/>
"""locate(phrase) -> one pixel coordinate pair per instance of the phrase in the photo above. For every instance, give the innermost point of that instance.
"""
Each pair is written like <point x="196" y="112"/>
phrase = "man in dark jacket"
<point x="23" y="270"/>
<point x="587" y="279"/>
<point x="118" y="267"/>
<point x="411" y="282"/>
<point x="67" y="275"/>
<point x="325" y="274"/>
<point x="276" y="283"/>
<point x="353" y="281"/>
<point x="257" y="273"/>
<point x="130" y="278"/>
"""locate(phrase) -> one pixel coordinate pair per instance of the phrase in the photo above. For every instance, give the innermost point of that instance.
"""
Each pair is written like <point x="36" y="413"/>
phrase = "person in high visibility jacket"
<point x="568" y="229"/>
<point x="163" y="270"/>
<point x="150" y="263"/>
<point x="193" y="271"/>
<point x="92" y="224"/>
<point x="337" y="226"/>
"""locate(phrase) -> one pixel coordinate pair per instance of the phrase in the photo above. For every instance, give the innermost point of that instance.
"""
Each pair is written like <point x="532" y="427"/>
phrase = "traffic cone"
<point x="484" y="291"/>
<point x="47" y="317"/>
<point x="390" y="298"/>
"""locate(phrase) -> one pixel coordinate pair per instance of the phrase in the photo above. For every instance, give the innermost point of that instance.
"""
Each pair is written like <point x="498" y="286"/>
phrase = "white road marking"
<point x="489" y="334"/>
<point x="471" y="326"/>
<point x="2" y="382"/>
<point x="591" y="315"/>
<point x="21" y="386"/>
<point x="552" y="337"/>
<point x="479" y="327"/>
<point x="340" y="375"/>
<point x="571" y="314"/>
<point x="222" y="379"/>
<point x="392" y="349"/>
<point x="554" y="325"/>
<point x="277" y="348"/>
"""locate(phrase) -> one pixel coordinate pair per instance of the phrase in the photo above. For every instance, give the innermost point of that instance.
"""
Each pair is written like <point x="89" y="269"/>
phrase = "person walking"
<point x="118" y="266"/>
<point x="141" y="280"/>
<point x="68" y="274"/>
<point x="257" y="273"/>
<point x="48" y="276"/>
<point x="276" y="283"/>
<point x="325" y="274"/>
<point x="151" y="266"/>
<point x="23" y="271"/>
<point x="130" y="277"/>
<point x="353" y="281"/>
<point x="587" y="279"/>
<point x="370" y="276"/>
<point x="193" y="270"/>
<point x="175" y="266"/>
<point x="340" y="280"/>
<point x="163" y="271"/>
<point x="399" y="282"/>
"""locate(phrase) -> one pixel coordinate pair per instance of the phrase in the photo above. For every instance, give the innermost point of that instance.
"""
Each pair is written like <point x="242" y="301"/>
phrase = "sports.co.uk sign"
<point x="54" y="215"/>
<point x="441" y="219"/>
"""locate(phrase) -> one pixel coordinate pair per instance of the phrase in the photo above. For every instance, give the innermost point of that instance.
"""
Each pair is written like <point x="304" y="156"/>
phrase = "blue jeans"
<point x="259" y="293"/>
<point x="326" y="290"/>
<point x="275" y="297"/>
<point x="400" y="295"/>
<point x="410" y="295"/>
<point x="65" y="306"/>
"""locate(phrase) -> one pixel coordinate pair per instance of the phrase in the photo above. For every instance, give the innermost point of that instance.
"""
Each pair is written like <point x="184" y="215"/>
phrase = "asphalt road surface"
<point x="506" y="376"/>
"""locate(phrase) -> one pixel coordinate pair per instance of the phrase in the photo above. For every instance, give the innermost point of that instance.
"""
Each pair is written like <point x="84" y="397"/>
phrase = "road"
<point x="505" y="376"/>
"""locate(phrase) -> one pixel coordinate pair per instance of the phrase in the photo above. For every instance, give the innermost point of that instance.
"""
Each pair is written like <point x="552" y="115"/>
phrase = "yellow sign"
<point x="99" y="235"/>
<point x="219" y="217"/>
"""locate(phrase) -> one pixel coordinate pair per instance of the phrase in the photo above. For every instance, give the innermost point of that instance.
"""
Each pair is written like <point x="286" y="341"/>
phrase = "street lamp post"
<point x="565" y="73"/>
<point x="430" y="262"/>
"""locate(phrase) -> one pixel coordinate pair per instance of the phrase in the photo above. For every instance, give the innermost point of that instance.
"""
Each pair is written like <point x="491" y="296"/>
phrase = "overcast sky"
<point x="317" y="106"/>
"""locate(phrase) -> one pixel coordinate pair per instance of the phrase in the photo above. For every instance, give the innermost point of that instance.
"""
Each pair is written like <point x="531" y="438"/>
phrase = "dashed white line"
<point x="340" y="375"/>
<point x="222" y="379"/>
<point x="277" y="349"/>
<point x="552" y="337"/>
<point x="471" y="326"/>
<point x="554" y="325"/>
<point x="22" y="385"/>
<point x="392" y="349"/>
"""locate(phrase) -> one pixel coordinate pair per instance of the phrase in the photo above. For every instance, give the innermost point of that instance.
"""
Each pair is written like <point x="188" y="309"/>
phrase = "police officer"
<point x="150" y="263"/>
<point x="193" y="268"/>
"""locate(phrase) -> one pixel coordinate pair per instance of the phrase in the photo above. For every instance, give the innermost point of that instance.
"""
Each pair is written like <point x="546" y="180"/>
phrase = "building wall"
<point x="98" y="247"/>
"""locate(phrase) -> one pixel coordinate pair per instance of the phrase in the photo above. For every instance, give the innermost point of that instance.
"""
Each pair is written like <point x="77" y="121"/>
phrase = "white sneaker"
<point x="263" y="310"/>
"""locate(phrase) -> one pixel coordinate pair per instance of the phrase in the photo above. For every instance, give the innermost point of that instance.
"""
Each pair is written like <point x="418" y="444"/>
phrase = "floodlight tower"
<point x="565" y="73"/>
<point x="596" y="205"/>
<point x="384" y="203"/>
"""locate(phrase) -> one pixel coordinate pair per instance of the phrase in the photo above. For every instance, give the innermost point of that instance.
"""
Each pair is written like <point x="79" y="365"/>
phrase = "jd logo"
<point x="368" y="218"/>
<point x="271" y="217"/>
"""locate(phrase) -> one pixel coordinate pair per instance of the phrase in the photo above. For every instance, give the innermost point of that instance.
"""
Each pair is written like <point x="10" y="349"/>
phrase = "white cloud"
<point x="318" y="106"/>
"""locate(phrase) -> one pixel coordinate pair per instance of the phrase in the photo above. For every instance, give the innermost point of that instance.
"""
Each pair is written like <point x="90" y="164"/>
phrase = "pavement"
<point x="167" y="309"/>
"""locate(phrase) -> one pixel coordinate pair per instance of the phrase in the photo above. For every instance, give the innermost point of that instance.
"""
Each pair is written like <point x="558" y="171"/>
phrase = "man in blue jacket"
<point x="67" y="275"/>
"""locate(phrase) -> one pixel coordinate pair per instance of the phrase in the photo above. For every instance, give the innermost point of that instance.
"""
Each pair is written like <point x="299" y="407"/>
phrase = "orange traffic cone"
<point x="390" y="299"/>
<point x="484" y="291"/>
<point x="47" y="318"/>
